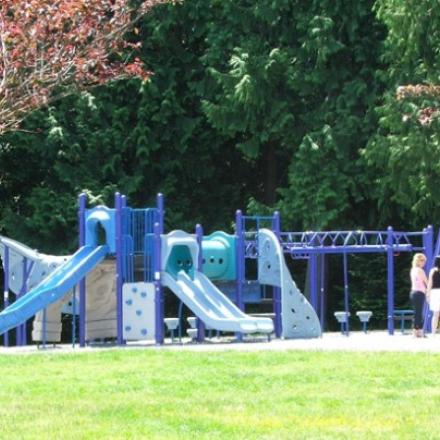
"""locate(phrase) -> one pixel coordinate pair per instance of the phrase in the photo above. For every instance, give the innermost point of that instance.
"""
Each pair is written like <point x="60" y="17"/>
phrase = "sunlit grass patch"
<point x="158" y="394"/>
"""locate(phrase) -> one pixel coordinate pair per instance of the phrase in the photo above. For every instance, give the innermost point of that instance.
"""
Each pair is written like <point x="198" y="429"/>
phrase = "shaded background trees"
<point x="259" y="105"/>
<point x="404" y="153"/>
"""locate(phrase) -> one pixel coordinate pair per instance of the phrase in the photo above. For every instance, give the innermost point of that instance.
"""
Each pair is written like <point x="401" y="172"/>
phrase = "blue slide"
<point x="54" y="287"/>
<point x="212" y="306"/>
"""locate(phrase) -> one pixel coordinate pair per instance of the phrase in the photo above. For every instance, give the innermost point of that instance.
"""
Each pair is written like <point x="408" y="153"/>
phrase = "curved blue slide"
<point x="54" y="287"/>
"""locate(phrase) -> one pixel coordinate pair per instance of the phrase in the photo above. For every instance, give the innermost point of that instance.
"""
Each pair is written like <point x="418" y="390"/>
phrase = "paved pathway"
<point x="357" y="341"/>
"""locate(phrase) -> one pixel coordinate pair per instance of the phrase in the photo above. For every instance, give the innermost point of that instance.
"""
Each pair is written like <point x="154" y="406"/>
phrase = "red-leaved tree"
<point x="49" y="48"/>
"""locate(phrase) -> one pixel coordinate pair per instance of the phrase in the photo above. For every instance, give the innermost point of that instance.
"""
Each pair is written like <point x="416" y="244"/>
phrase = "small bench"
<point x="342" y="318"/>
<point x="172" y="324"/>
<point x="364" y="316"/>
<point x="403" y="315"/>
<point x="192" y="333"/>
<point x="192" y="321"/>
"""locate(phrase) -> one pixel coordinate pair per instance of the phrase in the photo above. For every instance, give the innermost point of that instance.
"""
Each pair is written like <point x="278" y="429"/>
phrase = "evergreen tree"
<point x="403" y="156"/>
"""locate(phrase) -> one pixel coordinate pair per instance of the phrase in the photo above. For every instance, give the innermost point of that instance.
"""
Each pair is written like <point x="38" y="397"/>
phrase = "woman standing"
<point x="433" y="294"/>
<point x="419" y="283"/>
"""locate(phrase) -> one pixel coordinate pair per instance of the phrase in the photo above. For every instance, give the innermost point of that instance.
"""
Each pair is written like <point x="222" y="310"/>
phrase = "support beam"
<point x="276" y="227"/>
<point x="6" y="290"/>
<point x="390" y="281"/>
<point x="161" y="209"/>
<point x="240" y="254"/>
<point x="22" y="328"/>
<point x="240" y="259"/>
<point x="119" y="268"/>
<point x="159" y="310"/>
<point x="82" y="284"/>
<point x="323" y="302"/>
<point x="428" y="244"/>
<point x="313" y="274"/>
<point x="346" y="293"/>
<point x="199" y="266"/>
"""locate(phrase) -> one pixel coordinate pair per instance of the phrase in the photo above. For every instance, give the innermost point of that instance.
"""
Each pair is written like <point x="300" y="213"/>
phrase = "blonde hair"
<point x="417" y="259"/>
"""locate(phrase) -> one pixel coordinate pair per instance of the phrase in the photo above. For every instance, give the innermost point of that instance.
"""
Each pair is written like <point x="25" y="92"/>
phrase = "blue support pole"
<point x="159" y="228"/>
<point x="18" y="329"/>
<point x="44" y="328"/>
<point x="277" y="304"/>
<point x="159" y="309"/>
<point x="390" y="280"/>
<point x="313" y="273"/>
<point x="240" y="262"/>
<point x="346" y="293"/>
<point x="82" y="284"/>
<point x="6" y="290"/>
<point x="199" y="266"/>
<point x="322" y="292"/>
<point x="119" y="274"/>
<point x="74" y="317"/>
<point x="240" y="259"/>
<point x="161" y="209"/>
<point x="428" y="246"/>
<point x="22" y="329"/>
<point x="180" y="316"/>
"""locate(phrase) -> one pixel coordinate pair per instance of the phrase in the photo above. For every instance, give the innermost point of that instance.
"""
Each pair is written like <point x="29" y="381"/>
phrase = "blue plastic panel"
<point x="219" y="260"/>
<point x="251" y="293"/>
<point x="299" y="319"/>
<point x="38" y="265"/>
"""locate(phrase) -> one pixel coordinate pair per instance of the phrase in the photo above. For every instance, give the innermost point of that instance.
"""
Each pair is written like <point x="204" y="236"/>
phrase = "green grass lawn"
<point x="154" y="394"/>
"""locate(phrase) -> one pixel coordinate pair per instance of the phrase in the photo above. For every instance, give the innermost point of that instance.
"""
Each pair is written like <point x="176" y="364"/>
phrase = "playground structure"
<point x="312" y="245"/>
<point x="115" y="281"/>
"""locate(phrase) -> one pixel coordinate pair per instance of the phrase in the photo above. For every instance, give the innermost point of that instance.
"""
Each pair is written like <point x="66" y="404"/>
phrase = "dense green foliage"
<point x="404" y="154"/>
<point x="253" y="104"/>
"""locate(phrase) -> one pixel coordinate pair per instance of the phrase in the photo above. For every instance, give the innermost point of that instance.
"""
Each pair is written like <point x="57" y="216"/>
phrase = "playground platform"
<point x="375" y="341"/>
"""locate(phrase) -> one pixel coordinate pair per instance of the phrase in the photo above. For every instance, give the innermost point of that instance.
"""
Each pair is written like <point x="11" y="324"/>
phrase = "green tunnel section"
<point x="218" y="253"/>
<point x="180" y="259"/>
